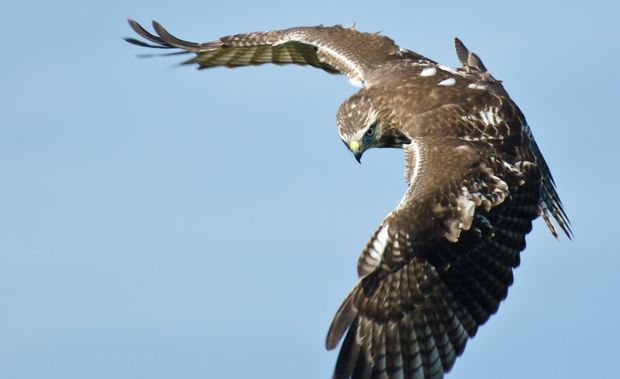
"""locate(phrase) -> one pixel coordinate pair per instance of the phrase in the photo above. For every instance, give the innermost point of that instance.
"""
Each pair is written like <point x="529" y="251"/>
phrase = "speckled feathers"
<point x="441" y="262"/>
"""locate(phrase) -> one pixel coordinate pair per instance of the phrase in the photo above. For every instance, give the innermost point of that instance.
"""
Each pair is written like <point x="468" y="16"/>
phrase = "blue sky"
<point x="169" y="223"/>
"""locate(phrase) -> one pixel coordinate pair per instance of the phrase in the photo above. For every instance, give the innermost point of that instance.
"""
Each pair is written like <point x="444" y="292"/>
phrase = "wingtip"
<point x="341" y="322"/>
<point x="157" y="25"/>
<point x="562" y="222"/>
<point x="568" y="231"/>
<point x="160" y="30"/>
<point x="459" y="43"/>
<point x="142" y="32"/>
<point x="332" y="340"/>
<point x="170" y="39"/>
<point x="137" y="42"/>
<point x="135" y="25"/>
<point x="132" y="41"/>
<point x="462" y="52"/>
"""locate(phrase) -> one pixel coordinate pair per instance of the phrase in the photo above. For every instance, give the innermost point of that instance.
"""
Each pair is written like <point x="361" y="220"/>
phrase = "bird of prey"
<point x="441" y="262"/>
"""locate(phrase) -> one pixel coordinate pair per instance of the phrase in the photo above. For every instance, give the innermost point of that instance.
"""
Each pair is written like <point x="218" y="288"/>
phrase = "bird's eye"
<point x="370" y="132"/>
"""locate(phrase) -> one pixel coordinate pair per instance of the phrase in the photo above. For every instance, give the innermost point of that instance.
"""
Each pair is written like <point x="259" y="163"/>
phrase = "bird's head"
<point x="363" y="123"/>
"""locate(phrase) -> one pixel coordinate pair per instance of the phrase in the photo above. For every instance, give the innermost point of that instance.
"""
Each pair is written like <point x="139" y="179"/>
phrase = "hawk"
<point x="441" y="262"/>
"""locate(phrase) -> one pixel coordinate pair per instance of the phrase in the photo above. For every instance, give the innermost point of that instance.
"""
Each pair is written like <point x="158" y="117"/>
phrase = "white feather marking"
<point x="418" y="160"/>
<point x="513" y="168"/>
<point x="375" y="255"/>
<point x="490" y="117"/>
<point x="380" y="242"/>
<point x="396" y="246"/>
<point x="447" y="82"/>
<point x="357" y="81"/>
<point x="466" y="205"/>
<point x="476" y="86"/>
<point x="429" y="71"/>
<point x="485" y="117"/>
<point x="469" y="206"/>
<point x="498" y="119"/>
<point x="412" y="174"/>
<point x="356" y="76"/>
<point x="449" y="69"/>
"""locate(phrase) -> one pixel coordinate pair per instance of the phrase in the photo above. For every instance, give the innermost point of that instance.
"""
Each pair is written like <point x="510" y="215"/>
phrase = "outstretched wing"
<point x="335" y="49"/>
<point x="441" y="262"/>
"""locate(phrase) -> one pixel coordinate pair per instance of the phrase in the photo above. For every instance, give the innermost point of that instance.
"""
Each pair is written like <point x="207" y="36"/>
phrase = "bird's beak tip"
<point x="357" y="151"/>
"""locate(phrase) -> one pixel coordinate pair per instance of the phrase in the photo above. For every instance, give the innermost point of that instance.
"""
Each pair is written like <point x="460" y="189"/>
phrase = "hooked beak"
<point x="357" y="150"/>
<point x="358" y="157"/>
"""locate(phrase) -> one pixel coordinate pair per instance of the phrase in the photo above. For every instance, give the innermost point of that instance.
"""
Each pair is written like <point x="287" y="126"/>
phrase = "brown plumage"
<point x="439" y="265"/>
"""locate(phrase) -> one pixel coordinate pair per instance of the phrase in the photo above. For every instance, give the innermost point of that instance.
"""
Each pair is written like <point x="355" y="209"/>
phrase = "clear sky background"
<point x="158" y="222"/>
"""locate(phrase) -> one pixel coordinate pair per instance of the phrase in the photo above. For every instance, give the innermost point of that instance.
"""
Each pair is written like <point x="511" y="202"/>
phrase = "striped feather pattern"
<point x="441" y="263"/>
<point x="413" y="322"/>
<point x="550" y="206"/>
<point x="334" y="49"/>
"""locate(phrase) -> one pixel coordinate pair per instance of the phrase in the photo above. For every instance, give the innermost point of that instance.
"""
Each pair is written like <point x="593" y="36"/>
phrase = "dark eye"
<point x="370" y="132"/>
